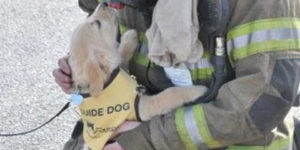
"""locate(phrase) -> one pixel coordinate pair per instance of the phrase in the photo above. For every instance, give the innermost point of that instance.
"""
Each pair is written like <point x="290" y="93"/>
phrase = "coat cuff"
<point x="136" y="139"/>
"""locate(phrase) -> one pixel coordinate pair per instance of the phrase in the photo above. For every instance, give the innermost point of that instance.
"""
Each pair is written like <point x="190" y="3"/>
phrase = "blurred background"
<point x="34" y="34"/>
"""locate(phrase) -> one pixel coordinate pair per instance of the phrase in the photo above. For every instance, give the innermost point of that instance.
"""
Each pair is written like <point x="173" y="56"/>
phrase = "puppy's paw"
<point x="196" y="91"/>
<point x="85" y="147"/>
<point x="130" y="36"/>
<point x="129" y="43"/>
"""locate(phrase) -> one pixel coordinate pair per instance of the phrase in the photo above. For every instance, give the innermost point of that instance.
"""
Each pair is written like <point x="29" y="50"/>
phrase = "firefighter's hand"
<point x="128" y="125"/>
<point x="62" y="75"/>
<point x="113" y="146"/>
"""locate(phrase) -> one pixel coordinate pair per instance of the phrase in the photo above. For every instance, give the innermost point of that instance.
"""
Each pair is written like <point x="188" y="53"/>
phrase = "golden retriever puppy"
<point x="95" y="54"/>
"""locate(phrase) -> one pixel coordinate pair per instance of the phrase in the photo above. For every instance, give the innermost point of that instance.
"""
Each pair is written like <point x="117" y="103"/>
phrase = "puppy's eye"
<point x="97" y="22"/>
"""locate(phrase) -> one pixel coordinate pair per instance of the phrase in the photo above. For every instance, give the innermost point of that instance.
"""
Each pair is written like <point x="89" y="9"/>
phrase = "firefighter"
<point x="250" y="112"/>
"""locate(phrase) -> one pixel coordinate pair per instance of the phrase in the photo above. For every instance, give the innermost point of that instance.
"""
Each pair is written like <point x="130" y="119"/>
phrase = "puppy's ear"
<point x="96" y="81"/>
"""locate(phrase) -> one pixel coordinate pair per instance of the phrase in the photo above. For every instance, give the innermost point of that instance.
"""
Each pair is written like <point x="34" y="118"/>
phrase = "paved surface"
<point x="33" y="35"/>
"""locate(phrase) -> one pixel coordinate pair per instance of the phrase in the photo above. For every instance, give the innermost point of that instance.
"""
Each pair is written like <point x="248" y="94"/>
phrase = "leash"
<point x="67" y="105"/>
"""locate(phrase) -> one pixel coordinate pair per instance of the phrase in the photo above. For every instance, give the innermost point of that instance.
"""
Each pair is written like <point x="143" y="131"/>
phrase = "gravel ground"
<point x="33" y="35"/>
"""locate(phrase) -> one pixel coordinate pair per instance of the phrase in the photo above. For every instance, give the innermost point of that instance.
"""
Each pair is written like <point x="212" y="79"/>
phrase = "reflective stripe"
<point x="202" y="74"/>
<point x="283" y="144"/>
<point x="299" y="88"/>
<point x="144" y="49"/>
<point x="143" y="37"/>
<point x="192" y="129"/>
<point x="182" y="130"/>
<point x="201" y="70"/>
<point x="264" y="24"/>
<point x="141" y="59"/>
<point x="123" y="29"/>
<point x="269" y="46"/>
<point x="263" y="36"/>
<point x="203" y="63"/>
<point x="203" y="127"/>
<point x="206" y="54"/>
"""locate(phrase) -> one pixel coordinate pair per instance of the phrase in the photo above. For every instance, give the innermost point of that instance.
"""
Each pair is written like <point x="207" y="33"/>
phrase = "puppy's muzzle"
<point x="104" y="4"/>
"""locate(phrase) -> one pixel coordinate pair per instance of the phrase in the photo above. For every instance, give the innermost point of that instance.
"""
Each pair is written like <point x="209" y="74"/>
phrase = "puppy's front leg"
<point x="168" y="100"/>
<point x="129" y="43"/>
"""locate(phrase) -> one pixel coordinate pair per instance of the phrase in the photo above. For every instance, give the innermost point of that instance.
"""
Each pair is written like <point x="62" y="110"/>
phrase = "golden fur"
<point x="94" y="55"/>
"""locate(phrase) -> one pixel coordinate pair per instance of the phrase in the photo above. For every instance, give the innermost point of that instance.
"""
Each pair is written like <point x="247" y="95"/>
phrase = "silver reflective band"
<point x="201" y="64"/>
<point x="144" y="49"/>
<point x="262" y="36"/>
<point x="299" y="88"/>
<point x="192" y="128"/>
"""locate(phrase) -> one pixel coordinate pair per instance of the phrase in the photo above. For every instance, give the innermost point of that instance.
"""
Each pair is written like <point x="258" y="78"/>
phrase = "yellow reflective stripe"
<point x="142" y="35"/>
<point x="141" y="59"/>
<point x="263" y="25"/>
<point x="143" y="38"/>
<point x="276" y="145"/>
<point x="99" y="1"/>
<point x="183" y="125"/>
<point x="203" y="69"/>
<point x="263" y="36"/>
<point x="206" y="54"/>
<point x="192" y="128"/>
<point x="202" y="63"/>
<point x="202" y="73"/>
<point x="268" y="46"/>
<point x="203" y="127"/>
<point x="182" y="131"/>
<point x="123" y="29"/>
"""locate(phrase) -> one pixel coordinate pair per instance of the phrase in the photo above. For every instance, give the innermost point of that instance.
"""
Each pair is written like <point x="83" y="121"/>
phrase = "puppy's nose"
<point x="104" y="4"/>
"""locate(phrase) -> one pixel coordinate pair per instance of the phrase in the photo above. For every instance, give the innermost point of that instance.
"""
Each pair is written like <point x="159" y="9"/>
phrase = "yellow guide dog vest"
<point x="103" y="115"/>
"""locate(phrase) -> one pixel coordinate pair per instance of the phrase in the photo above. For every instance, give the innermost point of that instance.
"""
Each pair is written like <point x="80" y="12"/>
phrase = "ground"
<point x="33" y="35"/>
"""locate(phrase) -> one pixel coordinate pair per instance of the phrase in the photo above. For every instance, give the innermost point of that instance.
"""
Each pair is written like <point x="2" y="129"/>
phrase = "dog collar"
<point x="111" y="78"/>
<point x="77" y="97"/>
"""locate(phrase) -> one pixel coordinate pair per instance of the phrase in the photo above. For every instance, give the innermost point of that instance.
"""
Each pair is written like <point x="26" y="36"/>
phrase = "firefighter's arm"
<point x="245" y="109"/>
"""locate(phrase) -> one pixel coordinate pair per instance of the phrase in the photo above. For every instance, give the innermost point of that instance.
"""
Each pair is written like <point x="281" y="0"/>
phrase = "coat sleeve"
<point x="246" y="109"/>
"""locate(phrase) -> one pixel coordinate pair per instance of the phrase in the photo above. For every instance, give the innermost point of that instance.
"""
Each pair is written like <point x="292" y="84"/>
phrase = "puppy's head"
<point x="93" y="52"/>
